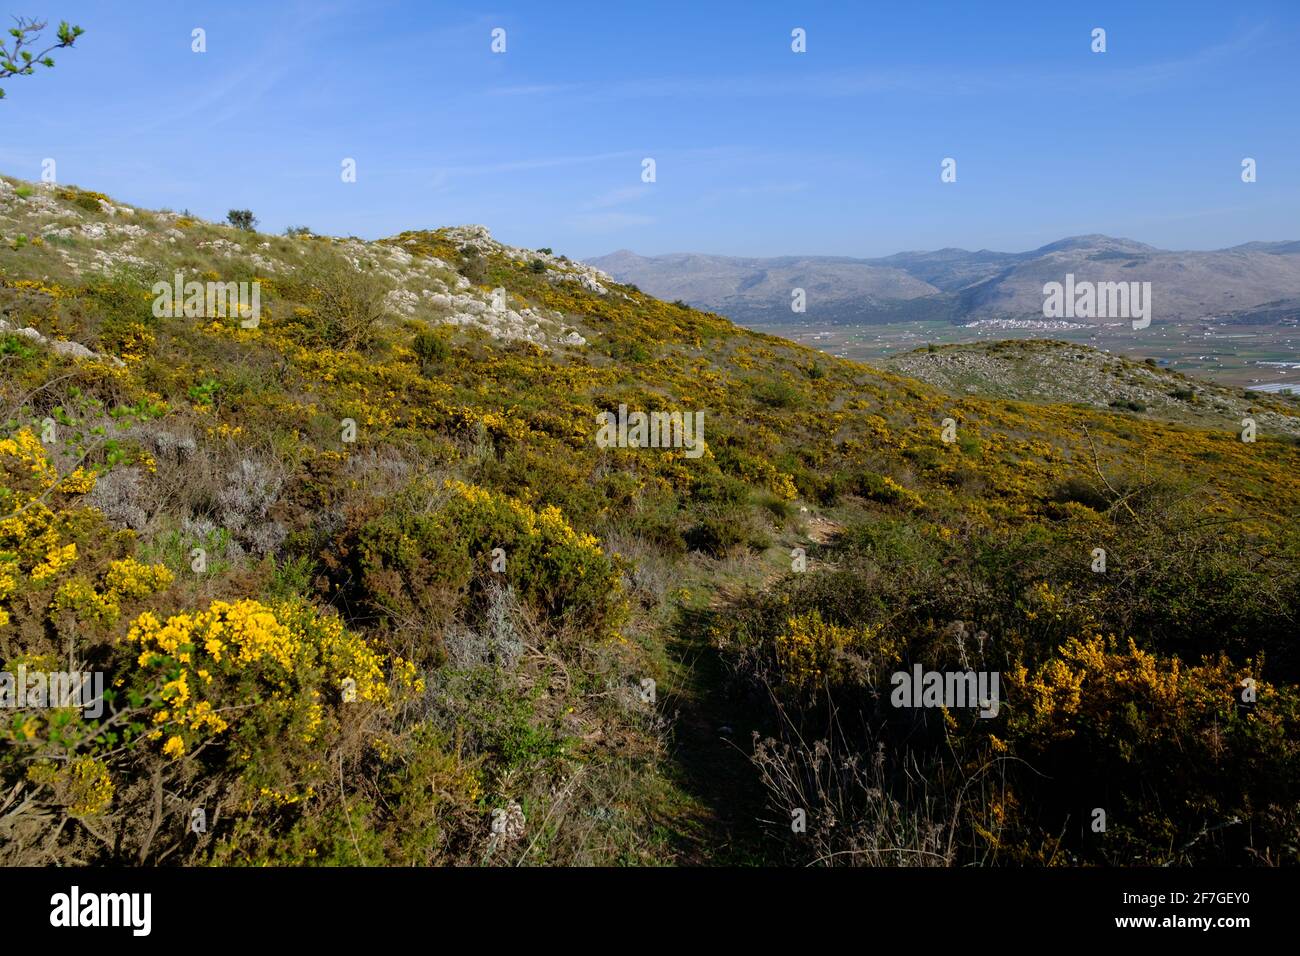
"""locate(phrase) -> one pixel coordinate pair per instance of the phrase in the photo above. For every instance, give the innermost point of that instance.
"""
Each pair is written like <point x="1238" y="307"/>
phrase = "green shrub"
<point x="1129" y="404"/>
<point x="776" y="393"/>
<point x="432" y="346"/>
<point x="417" y="563"/>
<point x="473" y="265"/>
<point x="716" y="534"/>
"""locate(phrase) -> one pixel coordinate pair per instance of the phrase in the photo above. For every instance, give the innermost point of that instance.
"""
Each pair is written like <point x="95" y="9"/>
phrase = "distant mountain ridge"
<point x="1245" y="282"/>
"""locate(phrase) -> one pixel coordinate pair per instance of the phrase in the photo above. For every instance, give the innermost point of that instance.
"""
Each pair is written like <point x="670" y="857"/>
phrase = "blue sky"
<point x="759" y="151"/>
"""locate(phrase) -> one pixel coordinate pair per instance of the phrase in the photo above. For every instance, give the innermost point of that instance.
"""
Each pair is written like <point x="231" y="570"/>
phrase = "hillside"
<point x="1257" y="282"/>
<point x="1063" y="372"/>
<point x="367" y="588"/>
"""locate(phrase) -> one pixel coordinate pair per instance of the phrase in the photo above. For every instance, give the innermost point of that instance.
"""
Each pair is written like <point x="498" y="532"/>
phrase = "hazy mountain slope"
<point x="743" y="285"/>
<point x="968" y="286"/>
<point x="951" y="270"/>
<point x="1185" y="286"/>
<point x="370" y="588"/>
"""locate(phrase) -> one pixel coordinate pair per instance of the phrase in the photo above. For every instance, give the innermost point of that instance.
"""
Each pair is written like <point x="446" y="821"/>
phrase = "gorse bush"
<point x="812" y="653"/>
<point x="239" y="694"/>
<point x="89" y="201"/>
<point x="419" y="562"/>
<point x="1124" y="724"/>
<point x="290" y="658"/>
<point x="433" y="346"/>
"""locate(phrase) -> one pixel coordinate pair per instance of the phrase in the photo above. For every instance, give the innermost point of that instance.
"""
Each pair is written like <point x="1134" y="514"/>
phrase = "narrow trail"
<point x="713" y="735"/>
<point x="711" y="741"/>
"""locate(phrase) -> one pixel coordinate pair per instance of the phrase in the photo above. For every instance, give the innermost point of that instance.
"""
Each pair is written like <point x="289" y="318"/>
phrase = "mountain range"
<point x="1257" y="282"/>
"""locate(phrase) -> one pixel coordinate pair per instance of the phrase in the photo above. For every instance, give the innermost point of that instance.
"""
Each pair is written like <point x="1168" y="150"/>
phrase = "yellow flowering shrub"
<point x="79" y="596"/>
<point x="83" y="785"/>
<point x="80" y="482"/>
<point x="282" y="660"/>
<point x="131" y="341"/>
<point x="125" y="580"/>
<point x="44" y="536"/>
<point x="760" y="471"/>
<point x="812" y="652"/>
<point x="52" y="289"/>
<point x="31" y="553"/>
<point x="886" y="490"/>
<point x="1095" y="679"/>
<point x="8" y="583"/>
<point x="27" y="469"/>
<point x="56" y="559"/>
<point x="131" y="578"/>
<point x="1146" y="737"/>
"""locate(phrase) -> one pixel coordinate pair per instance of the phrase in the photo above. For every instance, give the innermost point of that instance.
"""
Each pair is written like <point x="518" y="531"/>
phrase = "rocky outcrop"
<point x="60" y="347"/>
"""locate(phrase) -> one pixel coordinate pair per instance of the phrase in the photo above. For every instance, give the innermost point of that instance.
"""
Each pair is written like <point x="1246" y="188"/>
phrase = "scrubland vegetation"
<point x="459" y="611"/>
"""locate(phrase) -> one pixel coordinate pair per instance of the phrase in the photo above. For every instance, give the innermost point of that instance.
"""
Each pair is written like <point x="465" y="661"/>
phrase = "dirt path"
<point x="713" y="736"/>
<point x="710" y="747"/>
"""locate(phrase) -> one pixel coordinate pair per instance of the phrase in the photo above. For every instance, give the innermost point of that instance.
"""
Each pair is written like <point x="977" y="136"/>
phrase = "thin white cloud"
<point x="608" y="221"/>
<point x="437" y="176"/>
<point x="617" y="197"/>
<point x="549" y="162"/>
<point x="533" y="89"/>
<point x="984" y="78"/>
<point x="759" y="189"/>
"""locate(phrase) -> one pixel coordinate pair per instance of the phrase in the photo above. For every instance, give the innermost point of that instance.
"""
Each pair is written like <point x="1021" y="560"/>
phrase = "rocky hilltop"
<point x="1051" y="372"/>
<point x="91" y="235"/>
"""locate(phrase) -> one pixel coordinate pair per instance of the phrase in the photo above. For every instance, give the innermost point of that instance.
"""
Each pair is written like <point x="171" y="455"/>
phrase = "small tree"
<point x="242" y="219"/>
<point x="346" y="303"/>
<point x="16" y="60"/>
